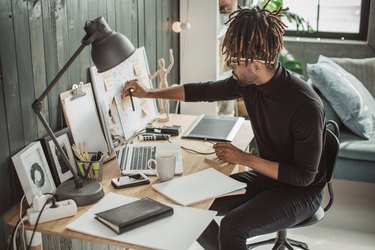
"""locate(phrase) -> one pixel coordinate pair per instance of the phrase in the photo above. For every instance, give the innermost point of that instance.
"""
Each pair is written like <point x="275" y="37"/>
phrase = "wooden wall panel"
<point x="76" y="18"/>
<point x="7" y="196"/>
<point x="24" y="65"/>
<point x="37" y="57"/>
<point x="11" y="135"/>
<point x="150" y="34"/>
<point x="141" y="22"/>
<point x="11" y="87"/>
<point x="124" y="16"/>
<point x="51" y="59"/>
<point x="37" y="39"/>
<point x="110" y="13"/>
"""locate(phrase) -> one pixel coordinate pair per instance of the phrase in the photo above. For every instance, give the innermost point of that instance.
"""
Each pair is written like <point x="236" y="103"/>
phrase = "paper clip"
<point x="77" y="91"/>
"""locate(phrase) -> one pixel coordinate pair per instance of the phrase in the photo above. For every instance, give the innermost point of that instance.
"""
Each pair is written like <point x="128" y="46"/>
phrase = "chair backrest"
<point x="331" y="148"/>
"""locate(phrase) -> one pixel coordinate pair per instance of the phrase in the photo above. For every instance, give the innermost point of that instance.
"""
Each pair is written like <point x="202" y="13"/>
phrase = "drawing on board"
<point x="113" y="121"/>
<point x="119" y="119"/>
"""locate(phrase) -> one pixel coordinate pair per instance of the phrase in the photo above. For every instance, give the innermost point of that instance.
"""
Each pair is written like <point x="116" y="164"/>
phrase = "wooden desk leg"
<point x="37" y="240"/>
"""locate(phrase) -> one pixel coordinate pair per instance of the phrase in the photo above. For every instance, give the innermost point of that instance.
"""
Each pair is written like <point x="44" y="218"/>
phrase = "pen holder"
<point x="91" y="169"/>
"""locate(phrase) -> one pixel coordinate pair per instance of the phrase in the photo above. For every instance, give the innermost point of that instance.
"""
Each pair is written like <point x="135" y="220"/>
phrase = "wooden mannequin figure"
<point x="163" y="73"/>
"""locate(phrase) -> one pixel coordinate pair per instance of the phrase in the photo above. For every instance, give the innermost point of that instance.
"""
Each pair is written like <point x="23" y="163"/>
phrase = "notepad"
<point x="200" y="186"/>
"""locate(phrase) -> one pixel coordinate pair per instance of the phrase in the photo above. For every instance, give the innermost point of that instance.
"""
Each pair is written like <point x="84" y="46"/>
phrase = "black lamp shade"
<point x="109" y="48"/>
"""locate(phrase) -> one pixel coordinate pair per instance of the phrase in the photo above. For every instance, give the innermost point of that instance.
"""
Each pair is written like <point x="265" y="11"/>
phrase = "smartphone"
<point x="130" y="181"/>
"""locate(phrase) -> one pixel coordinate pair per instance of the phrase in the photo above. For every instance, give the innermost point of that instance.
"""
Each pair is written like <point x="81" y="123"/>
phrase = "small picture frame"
<point x="59" y="169"/>
<point x="33" y="171"/>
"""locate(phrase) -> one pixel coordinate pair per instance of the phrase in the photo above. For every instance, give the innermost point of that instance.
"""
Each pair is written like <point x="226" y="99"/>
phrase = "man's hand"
<point x="227" y="152"/>
<point x="136" y="89"/>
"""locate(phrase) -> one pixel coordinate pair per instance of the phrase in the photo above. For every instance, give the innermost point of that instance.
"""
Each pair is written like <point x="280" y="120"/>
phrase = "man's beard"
<point x="239" y="82"/>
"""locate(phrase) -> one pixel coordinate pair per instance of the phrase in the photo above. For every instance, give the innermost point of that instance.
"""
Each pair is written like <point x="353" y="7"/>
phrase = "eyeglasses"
<point x="235" y="61"/>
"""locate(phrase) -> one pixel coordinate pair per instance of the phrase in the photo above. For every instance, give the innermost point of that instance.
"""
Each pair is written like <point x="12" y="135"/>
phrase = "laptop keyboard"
<point x="140" y="157"/>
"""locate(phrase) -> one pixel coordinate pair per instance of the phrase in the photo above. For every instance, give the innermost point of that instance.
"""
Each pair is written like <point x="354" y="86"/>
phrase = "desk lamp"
<point x="108" y="49"/>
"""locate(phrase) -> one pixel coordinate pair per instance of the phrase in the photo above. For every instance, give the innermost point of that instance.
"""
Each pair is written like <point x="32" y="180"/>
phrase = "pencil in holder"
<point x="91" y="169"/>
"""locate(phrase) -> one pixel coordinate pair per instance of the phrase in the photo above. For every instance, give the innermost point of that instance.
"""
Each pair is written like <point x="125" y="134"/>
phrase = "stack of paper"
<point x="200" y="186"/>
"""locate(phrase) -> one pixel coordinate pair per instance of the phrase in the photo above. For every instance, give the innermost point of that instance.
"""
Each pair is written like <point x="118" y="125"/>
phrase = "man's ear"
<point x="257" y="66"/>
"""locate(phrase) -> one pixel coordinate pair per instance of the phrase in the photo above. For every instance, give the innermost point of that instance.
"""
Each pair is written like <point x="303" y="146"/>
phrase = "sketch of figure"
<point x="163" y="73"/>
<point x="63" y="167"/>
<point x="114" y="124"/>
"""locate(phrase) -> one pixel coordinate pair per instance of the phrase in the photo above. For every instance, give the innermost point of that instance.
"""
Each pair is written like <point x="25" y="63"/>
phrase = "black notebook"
<point x="129" y="216"/>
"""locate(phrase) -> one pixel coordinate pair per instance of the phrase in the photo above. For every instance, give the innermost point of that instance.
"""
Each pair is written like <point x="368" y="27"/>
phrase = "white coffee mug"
<point x="165" y="165"/>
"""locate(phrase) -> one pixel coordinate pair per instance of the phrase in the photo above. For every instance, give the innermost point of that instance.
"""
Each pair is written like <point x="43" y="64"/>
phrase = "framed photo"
<point x="33" y="171"/>
<point x="59" y="169"/>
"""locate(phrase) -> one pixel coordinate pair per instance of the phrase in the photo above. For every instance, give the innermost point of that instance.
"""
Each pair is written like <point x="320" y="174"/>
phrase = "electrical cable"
<point x="20" y="221"/>
<point x="192" y="150"/>
<point x="37" y="220"/>
<point x="15" y="232"/>
<point x="23" y="225"/>
<point x="197" y="152"/>
<point x="135" y="136"/>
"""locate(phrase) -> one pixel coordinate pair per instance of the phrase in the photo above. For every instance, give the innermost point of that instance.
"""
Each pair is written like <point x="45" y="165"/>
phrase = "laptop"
<point x="134" y="157"/>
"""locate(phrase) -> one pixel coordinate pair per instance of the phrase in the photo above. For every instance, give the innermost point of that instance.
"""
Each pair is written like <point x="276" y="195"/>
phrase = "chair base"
<point x="281" y="242"/>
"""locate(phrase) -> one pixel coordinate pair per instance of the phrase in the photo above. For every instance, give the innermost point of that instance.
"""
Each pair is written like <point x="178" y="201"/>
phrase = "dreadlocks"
<point x="254" y="34"/>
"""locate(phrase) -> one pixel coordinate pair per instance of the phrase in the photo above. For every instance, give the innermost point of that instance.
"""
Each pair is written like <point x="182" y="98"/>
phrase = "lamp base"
<point x="91" y="192"/>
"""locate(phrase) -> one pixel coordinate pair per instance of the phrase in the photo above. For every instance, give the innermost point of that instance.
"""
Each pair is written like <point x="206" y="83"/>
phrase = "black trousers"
<point x="267" y="206"/>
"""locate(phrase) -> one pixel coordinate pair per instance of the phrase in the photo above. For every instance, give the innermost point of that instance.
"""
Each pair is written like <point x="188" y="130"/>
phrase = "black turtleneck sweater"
<point x="287" y="118"/>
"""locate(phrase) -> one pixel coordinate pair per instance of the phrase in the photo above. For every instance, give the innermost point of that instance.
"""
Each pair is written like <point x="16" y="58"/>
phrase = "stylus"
<point x="131" y="99"/>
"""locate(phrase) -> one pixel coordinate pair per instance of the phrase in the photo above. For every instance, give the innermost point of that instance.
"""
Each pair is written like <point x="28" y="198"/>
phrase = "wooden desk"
<point x="192" y="163"/>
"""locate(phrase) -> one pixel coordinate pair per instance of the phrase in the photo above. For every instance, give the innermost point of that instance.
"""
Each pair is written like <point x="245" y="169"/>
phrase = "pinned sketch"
<point x="116" y="113"/>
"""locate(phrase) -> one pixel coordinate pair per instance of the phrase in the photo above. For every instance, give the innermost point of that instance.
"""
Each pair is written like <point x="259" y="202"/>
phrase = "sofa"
<point x="347" y="88"/>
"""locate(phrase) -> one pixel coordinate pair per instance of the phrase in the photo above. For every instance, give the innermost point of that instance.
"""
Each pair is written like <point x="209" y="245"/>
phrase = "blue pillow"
<point x="348" y="97"/>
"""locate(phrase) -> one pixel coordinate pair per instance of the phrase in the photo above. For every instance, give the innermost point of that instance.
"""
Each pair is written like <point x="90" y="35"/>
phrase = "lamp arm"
<point x="37" y="107"/>
<point x="60" y="74"/>
<point x="78" y="180"/>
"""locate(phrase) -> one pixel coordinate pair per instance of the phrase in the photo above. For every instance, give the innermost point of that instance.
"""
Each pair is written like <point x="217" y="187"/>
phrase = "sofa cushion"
<point x="354" y="147"/>
<point x="348" y="97"/>
<point x="328" y="110"/>
<point x="362" y="69"/>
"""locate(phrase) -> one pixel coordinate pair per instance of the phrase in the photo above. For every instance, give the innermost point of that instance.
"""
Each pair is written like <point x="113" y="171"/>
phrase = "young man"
<point x="285" y="183"/>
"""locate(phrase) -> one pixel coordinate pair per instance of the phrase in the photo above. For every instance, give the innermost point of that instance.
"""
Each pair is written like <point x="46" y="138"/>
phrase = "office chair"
<point x="331" y="148"/>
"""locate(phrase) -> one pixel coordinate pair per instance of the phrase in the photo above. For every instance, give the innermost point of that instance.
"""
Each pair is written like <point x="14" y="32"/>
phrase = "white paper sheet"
<point x="200" y="186"/>
<point x="178" y="231"/>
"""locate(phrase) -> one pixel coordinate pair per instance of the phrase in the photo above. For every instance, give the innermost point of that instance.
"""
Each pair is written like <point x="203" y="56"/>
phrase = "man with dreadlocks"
<point x="285" y="184"/>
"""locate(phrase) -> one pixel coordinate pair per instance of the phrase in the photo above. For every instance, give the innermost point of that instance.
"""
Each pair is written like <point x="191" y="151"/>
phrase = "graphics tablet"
<point x="221" y="128"/>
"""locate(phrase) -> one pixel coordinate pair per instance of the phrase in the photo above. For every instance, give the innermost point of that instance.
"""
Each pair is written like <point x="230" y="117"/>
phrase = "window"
<point x="330" y="18"/>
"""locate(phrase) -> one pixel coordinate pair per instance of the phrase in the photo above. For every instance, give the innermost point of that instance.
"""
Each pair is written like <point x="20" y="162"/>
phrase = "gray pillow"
<point x="362" y="69"/>
<point x="348" y="97"/>
<point x="328" y="110"/>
